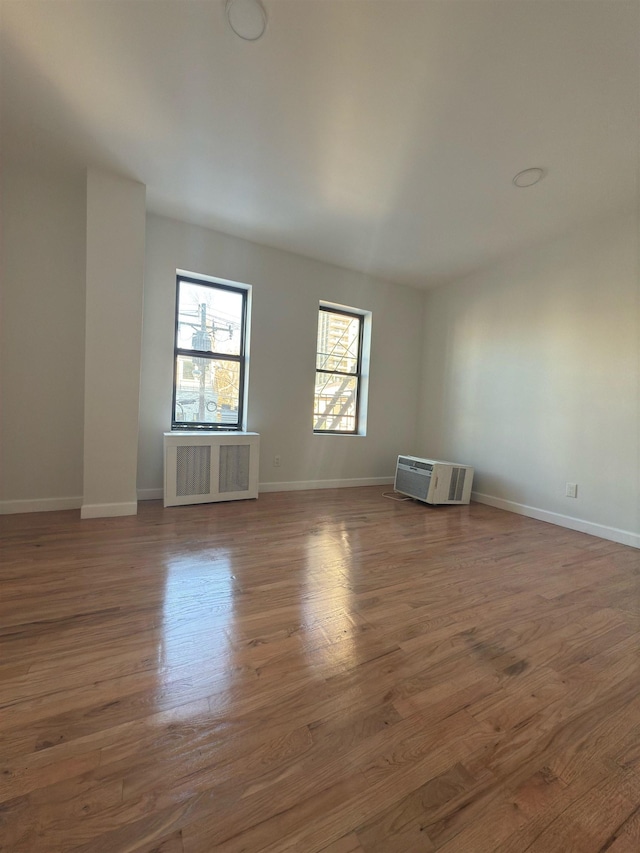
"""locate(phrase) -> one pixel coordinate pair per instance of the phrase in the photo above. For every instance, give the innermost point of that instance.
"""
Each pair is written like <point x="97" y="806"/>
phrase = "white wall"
<point x="285" y="296"/>
<point x="114" y="284"/>
<point x="531" y="374"/>
<point x="42" y="338"/>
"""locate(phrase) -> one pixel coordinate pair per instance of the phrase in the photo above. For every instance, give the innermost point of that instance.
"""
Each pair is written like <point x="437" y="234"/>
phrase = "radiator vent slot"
<point x="234" y="468"/>
<point x="193" y="470"/>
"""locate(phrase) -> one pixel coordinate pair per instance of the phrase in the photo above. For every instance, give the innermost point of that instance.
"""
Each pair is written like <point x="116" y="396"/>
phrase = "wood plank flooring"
<point x="317" y="671"/>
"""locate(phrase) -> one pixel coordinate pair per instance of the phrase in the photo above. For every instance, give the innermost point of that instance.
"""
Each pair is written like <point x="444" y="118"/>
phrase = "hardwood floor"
<point x="317" y="671"/>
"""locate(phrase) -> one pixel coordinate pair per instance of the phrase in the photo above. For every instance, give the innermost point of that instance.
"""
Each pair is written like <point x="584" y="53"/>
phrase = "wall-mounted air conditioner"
<point x="201" y="467"/>
<point x="433" y="482"/>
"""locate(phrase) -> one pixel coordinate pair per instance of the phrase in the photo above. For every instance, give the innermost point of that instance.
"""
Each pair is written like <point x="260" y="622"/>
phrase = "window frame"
<point x="241" y="359"/>
<point x="359" y="376"/>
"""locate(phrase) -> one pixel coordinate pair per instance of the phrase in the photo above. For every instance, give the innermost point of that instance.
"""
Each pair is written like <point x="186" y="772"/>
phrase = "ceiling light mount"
<point x="247" y="18"/>
<point x="529" y="177"/>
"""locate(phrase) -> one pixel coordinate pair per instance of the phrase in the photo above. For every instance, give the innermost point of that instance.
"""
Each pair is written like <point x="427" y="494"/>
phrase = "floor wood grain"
<point x="317" y="672"/>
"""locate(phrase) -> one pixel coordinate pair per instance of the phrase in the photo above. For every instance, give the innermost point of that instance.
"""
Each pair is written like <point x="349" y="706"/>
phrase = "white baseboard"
<point x="291" y="486"/>
<point x="39" y="505"/>
<point x="150" y="494"/>
<point x="624" y="537"/>
<point x="303" y="485"/>
<point x="108" y="510"/>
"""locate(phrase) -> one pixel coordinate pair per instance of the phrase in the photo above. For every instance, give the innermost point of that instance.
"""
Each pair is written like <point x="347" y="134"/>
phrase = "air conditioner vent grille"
<point x="415" y="463"/>
<point x="456" y="486"/>
<point x="234" y="468"/>
<point x="193" y="470"/>
<point x="411" y="483"/>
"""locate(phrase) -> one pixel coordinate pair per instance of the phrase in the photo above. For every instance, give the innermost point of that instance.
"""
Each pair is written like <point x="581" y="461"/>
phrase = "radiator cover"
<point x="205" y="467"/>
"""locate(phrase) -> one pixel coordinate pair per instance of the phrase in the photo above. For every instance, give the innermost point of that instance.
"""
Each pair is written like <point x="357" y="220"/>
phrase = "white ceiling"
<point x="380" y="135"/>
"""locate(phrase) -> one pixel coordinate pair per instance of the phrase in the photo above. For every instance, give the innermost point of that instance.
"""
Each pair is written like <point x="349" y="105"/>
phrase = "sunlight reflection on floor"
<point x="326" y="596"/>
<point x="194" y="652"/>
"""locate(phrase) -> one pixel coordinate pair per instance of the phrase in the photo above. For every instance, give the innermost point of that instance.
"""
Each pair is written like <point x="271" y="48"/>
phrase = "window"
<point x="339" y="378"/>
<point x="208" y="387"/>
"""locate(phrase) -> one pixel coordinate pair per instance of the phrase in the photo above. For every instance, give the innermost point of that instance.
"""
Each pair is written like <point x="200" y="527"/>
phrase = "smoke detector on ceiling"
<point x="529" y="177"/>
<point x="247" y="18"/>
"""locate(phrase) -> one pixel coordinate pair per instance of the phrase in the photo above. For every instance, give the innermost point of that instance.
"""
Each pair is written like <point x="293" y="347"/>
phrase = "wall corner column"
<point x="116" y="209"/>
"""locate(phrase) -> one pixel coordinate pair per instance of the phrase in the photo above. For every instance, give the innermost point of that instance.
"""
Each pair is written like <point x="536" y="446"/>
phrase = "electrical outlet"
<point x="276" y="461"/>
<point x="571" y="490"/>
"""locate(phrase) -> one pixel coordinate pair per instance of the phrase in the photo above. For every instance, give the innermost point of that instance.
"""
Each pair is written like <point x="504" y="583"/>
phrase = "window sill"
<point x="341" y="434"/>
